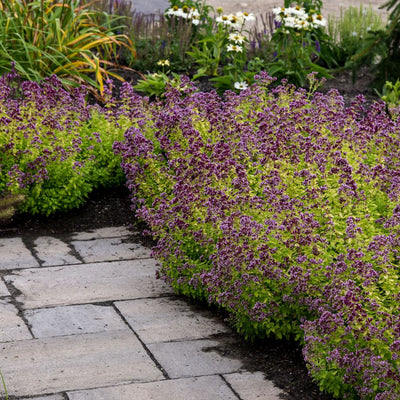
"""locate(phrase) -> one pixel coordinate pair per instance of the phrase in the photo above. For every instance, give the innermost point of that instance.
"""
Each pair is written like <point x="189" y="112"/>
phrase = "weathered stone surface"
<point x="193" y="358"/>
<point x="151" y="320"/>
<point x="53" y="251"/>
<point x="54" y="397"/>
<point x="88" y="283"/>
<point x="151" y="7"/>
<point x="3" y="289"/>
<point x="14" y="254"/>
<point x="52" y="365"/>
<point x="109" y="249"/>
<point x="113" y="231"/>
<point x="202" y="388"/>
<point x="12" y="327"/>
<point x="73" y="320"/>
<point x="253" y="386"/>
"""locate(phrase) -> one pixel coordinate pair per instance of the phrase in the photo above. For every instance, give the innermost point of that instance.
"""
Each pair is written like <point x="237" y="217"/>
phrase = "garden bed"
<point x="280" y="360"/>
<point x="275" y="205"/>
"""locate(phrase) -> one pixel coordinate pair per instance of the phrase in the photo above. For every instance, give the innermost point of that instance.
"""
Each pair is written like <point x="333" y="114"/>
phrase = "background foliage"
<point x="66" y="38"/>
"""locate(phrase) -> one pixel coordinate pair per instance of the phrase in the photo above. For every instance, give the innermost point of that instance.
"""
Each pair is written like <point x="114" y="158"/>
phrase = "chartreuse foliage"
<point x="281" y="207"/>
<point x="54" y="148"/>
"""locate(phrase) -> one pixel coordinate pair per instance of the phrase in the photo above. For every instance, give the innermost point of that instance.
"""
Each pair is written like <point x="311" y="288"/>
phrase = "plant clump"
<point x="280" y="206"/>
<point x="55" y="148"/>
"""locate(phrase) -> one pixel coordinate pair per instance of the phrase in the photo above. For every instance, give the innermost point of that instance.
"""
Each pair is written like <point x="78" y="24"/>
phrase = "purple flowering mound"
<point x="55" y="149"/>
<point x="280" y="206"/>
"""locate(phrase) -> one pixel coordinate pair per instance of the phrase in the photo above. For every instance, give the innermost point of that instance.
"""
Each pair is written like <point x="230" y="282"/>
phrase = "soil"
<point x="280" y="361"/>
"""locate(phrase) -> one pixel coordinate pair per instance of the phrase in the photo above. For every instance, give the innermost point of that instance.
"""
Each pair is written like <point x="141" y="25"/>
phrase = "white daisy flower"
<point x="301" y="24"/>
<point x="236" y="38"/>
<point x="318" y="20"/>
<point x="195" y="20"/>
<point x="240" y="85"/>
<point x="248" y="16"/>
<point x="289" y="22"/>
<point x="299" y="11"/>
<point x="164" y="63"/>
<point x="223" y="19"/>
<point x="174" y="11"/>
<point x="234" y="47"/>
<point x="279" y="10"/>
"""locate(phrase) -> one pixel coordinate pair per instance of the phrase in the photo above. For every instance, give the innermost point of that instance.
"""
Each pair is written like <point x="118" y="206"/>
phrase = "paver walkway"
<point x="260" y="6"/>
<point x="82" y="317"/>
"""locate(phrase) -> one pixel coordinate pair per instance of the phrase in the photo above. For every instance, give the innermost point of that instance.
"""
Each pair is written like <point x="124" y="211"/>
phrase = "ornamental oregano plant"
<point x="281" y="206"/>
<point x="55" y="149"/>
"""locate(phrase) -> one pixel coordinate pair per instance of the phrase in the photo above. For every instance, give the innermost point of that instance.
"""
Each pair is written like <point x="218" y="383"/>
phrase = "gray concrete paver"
<point x="12" y="327"/>
<point x="151" y="320"/>
<point x="193" y="358"/>
<point x="3" y="289"/>
<point x="14" y="254"/>
<point x="253" y="386"/>
<point x="73" y="320"/>
<point x="149" y="7"/>
<point x="52" y="365"/>
<point x="109" y="249"/>
<point x="51" y="397"/>
<point x="260" y="6"/>
<point x="108" y="232"/>
<point x="202" y="388"/>
<point x="53" y="251"/>
<point x="87" y="283"/>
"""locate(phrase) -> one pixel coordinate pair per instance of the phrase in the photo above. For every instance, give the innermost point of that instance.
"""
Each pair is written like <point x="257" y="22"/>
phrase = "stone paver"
<point x="73" y="320"/>
<point x="109" y="249"/>
<point x="148" y="7"/>
<point x="202" y="388"/>
<point x="260" y="6"/>
<point x="263" y="6"/>
<point x="193" y="358"/>
<point x="253" y="386"/>
<point x="53" y="251"/>
<point x="12" y="327"/>
<point x="151" y="320"/>
<point x="52" y="365"/>
<point x="88" y="283"/>
<point x="14" y="254"/>
<point x="109" y="232"/>
<point x="3" y="289"/>
<point x="55" y="397"/>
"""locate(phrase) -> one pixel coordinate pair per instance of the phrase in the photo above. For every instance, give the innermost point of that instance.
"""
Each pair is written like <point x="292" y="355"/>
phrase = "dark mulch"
<point x="280" y="361"/>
